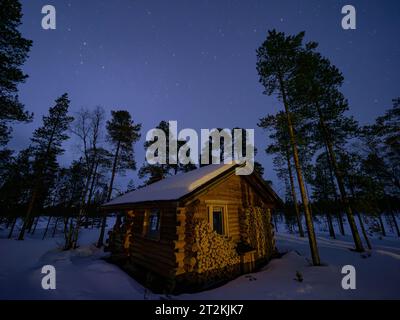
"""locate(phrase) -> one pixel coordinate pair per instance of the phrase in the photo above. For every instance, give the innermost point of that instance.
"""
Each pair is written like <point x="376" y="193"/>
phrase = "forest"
<point x="333" y="168"/>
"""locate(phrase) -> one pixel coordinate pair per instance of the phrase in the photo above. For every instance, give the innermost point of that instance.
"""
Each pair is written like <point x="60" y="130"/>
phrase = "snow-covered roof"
<point x="174" y="187"/>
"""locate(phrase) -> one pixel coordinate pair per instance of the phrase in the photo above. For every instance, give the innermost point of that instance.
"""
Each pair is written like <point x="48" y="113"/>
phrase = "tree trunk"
<point x="341" y="223"/>
<point x="294" y="196"/>
<point x="330" y="225"/>
<point x="47" y="227"/>
<point x="72" y="240"/>
<point x="55" y="227"/>
<point x="12" y="227"/>
<point x="30" y="224"/>
<point x="395" y="223"/>
<point x="69" y="234"/>
<point x="92" y="184"/>
<point x="35" y="225"/>
<point x="339" y="213"/>
<point x="94" y="176"/>
<point x="65" y="224"/>
<point x="364" y="232"/>
<point x="381" y="224"/>
<point x="339" y="179"/>
<point x="100" y="242"/>
<point x="310" y="226"/>
<point x="28" y="215"/>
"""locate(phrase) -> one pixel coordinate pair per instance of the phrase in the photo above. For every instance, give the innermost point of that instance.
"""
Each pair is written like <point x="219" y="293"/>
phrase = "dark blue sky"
<point x="194" y="61"/>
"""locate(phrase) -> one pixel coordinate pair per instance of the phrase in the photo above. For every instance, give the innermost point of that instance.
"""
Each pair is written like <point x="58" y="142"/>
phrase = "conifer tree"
<point x="316" y="88"/>
<point x="14" y="51"/>
<point x="156" y="172"/>
<point x="122" y="133"/>
<point x="47" y="146"/>
<point x="276" y="65"/>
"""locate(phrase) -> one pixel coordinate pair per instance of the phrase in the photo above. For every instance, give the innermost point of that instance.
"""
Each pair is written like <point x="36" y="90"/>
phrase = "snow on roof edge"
<point x="173" y="187"/>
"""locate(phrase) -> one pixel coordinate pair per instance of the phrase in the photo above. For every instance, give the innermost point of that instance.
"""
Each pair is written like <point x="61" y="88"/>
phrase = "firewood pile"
<point x="212" y="253"/>
<point x="257" y="231"/>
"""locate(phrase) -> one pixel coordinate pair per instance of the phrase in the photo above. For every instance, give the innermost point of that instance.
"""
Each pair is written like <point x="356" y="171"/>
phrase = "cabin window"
<point x="217" y="218"/>
<point x="153" y="223"/>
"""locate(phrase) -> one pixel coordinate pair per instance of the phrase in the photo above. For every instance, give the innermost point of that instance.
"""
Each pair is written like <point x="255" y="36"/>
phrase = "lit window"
<point x="218" y="216"/>
<point x="218" y="219"/>
<point x="154" y="222"/>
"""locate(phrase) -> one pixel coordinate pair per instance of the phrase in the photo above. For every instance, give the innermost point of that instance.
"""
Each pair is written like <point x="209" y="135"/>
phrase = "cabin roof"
<point x="175" y="187"/>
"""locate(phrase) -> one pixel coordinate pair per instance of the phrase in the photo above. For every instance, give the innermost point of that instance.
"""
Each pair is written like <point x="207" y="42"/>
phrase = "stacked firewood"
<point x="211" y="251"/>
<point x="257" y="230"/>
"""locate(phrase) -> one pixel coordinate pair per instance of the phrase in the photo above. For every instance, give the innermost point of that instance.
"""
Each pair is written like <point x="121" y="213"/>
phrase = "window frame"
<point x="147" y="233"/>
<point x="225" y="216"/>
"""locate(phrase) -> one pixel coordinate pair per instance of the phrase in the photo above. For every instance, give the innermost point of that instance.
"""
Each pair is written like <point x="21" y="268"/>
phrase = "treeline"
<point x="340" y="166"/>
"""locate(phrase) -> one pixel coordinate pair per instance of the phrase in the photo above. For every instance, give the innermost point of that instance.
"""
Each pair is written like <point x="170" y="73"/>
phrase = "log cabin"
<point x="196" y="229"/>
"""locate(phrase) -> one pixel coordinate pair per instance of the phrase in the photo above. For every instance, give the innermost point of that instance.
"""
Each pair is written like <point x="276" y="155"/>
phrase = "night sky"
<point x="194" y="61"/>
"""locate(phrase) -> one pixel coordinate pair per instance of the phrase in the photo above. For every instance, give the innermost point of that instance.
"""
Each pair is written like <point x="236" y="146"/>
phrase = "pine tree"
<point x="14" y="51"/>
<point x="47" y="145"/>
<point x="156" y="172"/>
<point x="316" y="88"/>
<point x="384" y="134"/>
<point x="122" y="134"/>
<point x="276" y="64"/>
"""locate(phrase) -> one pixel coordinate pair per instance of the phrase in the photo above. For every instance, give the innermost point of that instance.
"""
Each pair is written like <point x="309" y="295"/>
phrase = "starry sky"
<point x="194" y="61"/>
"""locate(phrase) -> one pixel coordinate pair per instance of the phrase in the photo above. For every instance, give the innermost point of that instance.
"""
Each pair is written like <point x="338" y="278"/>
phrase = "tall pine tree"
<point x="277" y="61"/>
<point x="316" y="88"/>
<point x="14" y="51"/>
<point x="122" y="134"/>
<point x="47" y="145"/>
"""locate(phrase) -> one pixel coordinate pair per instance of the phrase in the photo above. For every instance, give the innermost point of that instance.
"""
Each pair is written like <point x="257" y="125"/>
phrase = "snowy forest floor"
<point x="83" y="274"/>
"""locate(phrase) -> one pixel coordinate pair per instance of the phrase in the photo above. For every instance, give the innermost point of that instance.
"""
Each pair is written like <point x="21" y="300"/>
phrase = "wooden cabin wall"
<point x="157" y="255"/>
<point x="238" y="194"/>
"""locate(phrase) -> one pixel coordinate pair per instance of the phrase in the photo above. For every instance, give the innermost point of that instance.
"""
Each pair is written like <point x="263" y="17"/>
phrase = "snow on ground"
<point x="377" y="276"/>
<point x="80" y="274"/>
<point x="83" y="274"/>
